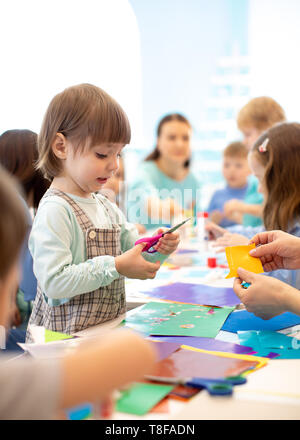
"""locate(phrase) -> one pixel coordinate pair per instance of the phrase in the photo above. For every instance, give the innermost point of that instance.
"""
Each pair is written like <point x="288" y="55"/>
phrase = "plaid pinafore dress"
<point x="91" y="308"/>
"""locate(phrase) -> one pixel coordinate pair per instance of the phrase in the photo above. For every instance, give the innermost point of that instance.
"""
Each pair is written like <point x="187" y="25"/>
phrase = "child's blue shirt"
<point x="221" y="196"/>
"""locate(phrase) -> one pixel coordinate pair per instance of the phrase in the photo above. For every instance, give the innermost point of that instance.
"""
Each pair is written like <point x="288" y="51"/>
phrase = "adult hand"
<point x="133" y="265"/>
<point x="266" y="297"/>
<point x="277" y="250"/>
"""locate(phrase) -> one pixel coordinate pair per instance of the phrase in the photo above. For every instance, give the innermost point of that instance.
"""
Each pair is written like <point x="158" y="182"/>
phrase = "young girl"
<point x="38" y="389"/>
<point x="258" y="115"/>
<point x="164" y="186"/>
<point x="78" y="237"/>
<point x="275" y="161"/>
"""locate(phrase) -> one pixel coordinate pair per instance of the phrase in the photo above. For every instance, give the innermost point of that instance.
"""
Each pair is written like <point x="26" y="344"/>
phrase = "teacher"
<point x="164" y="187"/>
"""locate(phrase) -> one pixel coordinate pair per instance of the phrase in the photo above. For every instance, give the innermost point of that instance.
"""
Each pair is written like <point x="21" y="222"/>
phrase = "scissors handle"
<point x="215" y="387"/>
<point x="151" y="241"/>
<point x="236" y="380"/>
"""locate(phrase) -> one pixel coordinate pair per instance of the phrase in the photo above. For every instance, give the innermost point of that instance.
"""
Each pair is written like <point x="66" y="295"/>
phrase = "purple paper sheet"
<point x="165" y="348"/>
<point x="196" y="294"/>
<point x="205" y="343"/>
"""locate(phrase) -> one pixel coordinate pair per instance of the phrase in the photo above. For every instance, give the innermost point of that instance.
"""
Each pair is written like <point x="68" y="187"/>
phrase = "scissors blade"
<point x="176" y="226"/>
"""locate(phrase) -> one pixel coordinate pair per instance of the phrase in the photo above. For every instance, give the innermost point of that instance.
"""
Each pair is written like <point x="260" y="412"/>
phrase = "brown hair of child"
<point x="12" y="222"/>
<point x="278" y="150"/>
<point x="236" y="149"/>
<point x="87" y="116"/>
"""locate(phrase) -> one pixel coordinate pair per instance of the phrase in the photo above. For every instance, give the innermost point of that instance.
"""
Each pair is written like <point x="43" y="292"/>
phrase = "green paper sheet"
<point x="157" y="318"/>
<point x="142" y="397"/>
<point x="51" y="336"/>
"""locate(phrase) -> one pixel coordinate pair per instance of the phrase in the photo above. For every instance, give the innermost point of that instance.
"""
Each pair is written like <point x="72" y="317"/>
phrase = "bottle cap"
<point x="212" y="262"/>
<point x="203" y="214"/>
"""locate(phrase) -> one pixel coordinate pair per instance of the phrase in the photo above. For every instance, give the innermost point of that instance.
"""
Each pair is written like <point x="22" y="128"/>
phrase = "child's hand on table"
<point x="168" y="243"/>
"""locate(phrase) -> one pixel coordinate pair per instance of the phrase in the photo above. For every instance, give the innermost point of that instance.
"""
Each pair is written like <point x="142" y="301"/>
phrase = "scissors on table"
<point x="151" y="241"/>
<point x="215" y="387"/>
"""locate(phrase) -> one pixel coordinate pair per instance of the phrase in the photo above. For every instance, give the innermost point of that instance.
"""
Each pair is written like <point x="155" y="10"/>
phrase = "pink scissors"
<point x="151" y="241"/>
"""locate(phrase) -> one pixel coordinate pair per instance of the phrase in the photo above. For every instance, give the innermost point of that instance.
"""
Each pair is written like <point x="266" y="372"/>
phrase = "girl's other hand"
<point x="132" y="264"/>
<point x="168" y="243"/>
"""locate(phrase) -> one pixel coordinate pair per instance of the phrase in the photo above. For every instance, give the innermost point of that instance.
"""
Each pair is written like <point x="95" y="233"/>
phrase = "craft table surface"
<point x="250" y="401"/>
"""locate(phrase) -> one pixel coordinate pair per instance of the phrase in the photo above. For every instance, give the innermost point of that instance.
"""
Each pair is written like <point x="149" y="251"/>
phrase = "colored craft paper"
<point x="142" y="397"/>
<point x="196" y="294"/>
<point x="282" y="346"/>
<point x="164" y="349"/>
<point x="51" y="336"/>
<point x="158" y="318"/>
<point x="80" y="412"/>
<point x="187" y="363"/>
<point x="260" y="361"/>
<point x="238" y="256"/>
<point x="206" y="344"/>
<point x="244" y="320"/>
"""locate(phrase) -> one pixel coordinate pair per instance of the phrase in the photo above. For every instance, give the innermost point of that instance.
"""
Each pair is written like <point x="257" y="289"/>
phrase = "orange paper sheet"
<point x="238" y="256"/>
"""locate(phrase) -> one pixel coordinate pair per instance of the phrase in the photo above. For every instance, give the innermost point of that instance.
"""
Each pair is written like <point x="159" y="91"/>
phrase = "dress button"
<point x="92" y="234"/>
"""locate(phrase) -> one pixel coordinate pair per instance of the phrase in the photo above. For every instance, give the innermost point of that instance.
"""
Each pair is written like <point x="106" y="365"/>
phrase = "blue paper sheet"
<point x="265" y="341"/>
<point x="244" y="320"/>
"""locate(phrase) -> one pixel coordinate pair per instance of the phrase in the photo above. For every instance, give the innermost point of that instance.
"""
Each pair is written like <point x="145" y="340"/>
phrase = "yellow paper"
<point x="246" y="357"/>
<point x="238" y="256"/>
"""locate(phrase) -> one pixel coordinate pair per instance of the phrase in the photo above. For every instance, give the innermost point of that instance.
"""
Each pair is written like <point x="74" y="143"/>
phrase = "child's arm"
<point x="60" y="264"/>
<point x="241" y="207"/>
<point x="92" y="373"/>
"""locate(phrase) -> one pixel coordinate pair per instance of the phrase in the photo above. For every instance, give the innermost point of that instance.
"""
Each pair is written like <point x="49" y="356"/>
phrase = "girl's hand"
<point x="230" y="239"/>
<point x="266" y="296"/>
<point x="168" y="243"/>
<point x="132" y="264"/>
<point x="214" y="231"/>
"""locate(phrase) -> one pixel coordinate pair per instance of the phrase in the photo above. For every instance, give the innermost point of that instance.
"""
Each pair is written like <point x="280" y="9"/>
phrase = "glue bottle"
<point x="202" y="234"/>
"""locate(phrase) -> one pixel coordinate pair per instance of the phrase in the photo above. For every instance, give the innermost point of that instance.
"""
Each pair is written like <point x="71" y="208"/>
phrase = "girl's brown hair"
<point x="168" y="118"/>
<point x="261" y="113"/>
<point x="278" y="150"/>
<point x="12" y="223"/>
<point x="18" y="155"/>
<point x="87" y="116"/>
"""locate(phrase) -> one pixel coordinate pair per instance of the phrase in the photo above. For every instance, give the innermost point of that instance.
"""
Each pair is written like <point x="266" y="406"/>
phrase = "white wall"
<point x="52" y="44"/>
<point x="274" y="46"/>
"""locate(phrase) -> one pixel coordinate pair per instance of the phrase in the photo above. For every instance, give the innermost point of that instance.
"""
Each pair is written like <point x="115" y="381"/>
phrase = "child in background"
<point x="40" y="389"/>
<point x="254" y="118"/>
<point x="18" y="154"/>
<point x="275" y="161"/>
<point x="235" y="172"/>
<point x="78" y="237"/>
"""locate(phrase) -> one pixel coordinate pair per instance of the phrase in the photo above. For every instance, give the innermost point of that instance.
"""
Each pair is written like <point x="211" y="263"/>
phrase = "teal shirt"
<point x="252" y="197"/>
<point x="150" y="181"/>
<point x="58" y="248"/>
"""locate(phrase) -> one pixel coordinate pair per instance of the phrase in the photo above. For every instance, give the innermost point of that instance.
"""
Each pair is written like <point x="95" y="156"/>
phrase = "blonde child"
<point x="275" y="161"/>
<point x="78" y="237"/>
<point x="35" y="389"/>
<point x="258" y="115"/>
<point x="235" y="171"/>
